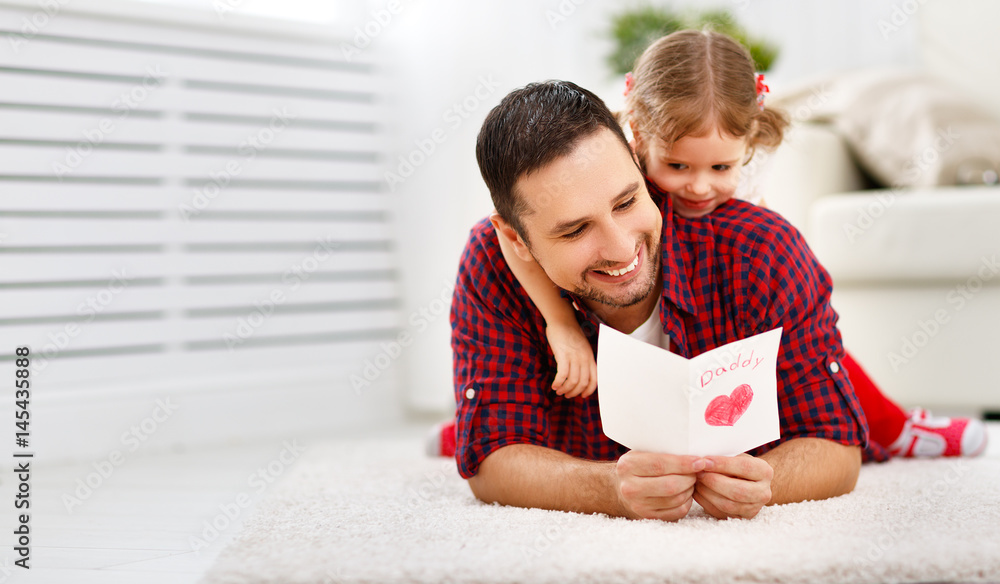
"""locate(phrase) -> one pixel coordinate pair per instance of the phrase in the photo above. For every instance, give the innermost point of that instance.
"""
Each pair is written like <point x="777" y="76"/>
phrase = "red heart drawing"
<point x="724" y="410"/>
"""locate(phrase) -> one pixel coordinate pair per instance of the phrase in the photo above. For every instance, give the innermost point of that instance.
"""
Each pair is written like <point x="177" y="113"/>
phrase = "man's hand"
<point x="734" y="486"/>
<point x="657" y="486"/>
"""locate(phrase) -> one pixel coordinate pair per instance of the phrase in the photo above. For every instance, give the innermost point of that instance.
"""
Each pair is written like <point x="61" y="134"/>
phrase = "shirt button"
<point x="470" y="393"/>
<point x="835" y="367"/>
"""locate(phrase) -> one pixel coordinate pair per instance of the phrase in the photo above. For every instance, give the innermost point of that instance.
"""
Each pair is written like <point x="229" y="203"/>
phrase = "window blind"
<point x="182" y="201"/>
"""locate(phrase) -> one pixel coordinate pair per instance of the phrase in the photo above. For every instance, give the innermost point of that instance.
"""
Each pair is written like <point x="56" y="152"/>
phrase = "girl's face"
<point x="698" y="172"/>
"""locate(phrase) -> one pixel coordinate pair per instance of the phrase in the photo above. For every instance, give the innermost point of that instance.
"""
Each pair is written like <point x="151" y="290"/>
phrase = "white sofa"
<point x="916" y="272"/>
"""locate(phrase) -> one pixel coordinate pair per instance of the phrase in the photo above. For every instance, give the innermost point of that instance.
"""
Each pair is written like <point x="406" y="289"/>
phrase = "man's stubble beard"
<point x="588" y="292"/>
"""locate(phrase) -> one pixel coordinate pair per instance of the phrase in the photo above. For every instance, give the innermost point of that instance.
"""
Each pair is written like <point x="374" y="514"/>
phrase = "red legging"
<point x="885" y="417"/>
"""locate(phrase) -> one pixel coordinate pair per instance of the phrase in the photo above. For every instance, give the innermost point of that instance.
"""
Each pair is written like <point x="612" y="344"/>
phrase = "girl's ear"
<point x="507" y="234"/>
<point x="750" y="143"/>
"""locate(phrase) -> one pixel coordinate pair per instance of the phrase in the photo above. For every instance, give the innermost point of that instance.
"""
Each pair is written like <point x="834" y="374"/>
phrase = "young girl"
<point x="696" y="110"/>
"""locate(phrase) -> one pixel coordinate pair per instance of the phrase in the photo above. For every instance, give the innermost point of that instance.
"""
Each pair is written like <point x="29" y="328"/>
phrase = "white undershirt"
<point x="651" y="331"/>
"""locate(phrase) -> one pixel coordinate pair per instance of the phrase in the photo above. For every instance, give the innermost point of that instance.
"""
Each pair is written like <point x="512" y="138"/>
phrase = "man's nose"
<point x="620" y="244"/>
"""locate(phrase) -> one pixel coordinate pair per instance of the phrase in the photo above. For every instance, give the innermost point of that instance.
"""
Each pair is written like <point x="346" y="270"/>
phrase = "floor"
<point x="150" y="520"/>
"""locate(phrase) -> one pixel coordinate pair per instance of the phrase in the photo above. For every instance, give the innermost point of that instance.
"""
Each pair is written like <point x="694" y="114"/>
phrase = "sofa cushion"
<point x="944" y="234"/>
<point x="906" y="129"/>
<point x="812" y="162"/>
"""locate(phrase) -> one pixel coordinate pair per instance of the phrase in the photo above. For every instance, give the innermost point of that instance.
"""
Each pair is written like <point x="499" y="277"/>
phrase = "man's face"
<point x="593" y="227"/>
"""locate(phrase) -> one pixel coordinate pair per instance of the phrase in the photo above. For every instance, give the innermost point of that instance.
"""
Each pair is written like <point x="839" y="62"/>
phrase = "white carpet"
<point x="380" y="511"/>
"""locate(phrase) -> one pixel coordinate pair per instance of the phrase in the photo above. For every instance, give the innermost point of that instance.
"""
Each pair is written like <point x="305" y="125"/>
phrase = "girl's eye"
<point x="677" y="166"/>
<point x="722" y="167"/>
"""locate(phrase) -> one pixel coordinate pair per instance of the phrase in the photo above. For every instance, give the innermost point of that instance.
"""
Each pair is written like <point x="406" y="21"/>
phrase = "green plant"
<point x="634" y="30"/>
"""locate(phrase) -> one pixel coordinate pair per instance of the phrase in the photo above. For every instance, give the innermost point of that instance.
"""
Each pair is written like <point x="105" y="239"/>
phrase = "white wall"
<point x="818" y="37"/>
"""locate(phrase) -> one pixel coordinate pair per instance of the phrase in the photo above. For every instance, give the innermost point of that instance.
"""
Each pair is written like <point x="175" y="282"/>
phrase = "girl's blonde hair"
<point x="688" y="82"/>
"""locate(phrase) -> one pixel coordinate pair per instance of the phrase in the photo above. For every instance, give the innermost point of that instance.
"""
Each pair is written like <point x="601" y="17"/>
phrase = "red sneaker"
<point x="441" y="440"/>
<point x="928" y="436"/>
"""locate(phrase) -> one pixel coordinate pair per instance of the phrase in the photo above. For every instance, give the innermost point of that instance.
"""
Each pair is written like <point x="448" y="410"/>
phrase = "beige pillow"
<point x="906" y="129"/>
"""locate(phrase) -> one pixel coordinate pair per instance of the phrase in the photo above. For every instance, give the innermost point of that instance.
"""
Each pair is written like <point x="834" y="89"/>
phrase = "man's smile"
<point x="621" y="274"/>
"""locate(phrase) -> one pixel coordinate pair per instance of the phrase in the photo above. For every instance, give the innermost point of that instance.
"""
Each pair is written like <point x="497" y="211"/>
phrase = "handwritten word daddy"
<point x="736" y="365"/>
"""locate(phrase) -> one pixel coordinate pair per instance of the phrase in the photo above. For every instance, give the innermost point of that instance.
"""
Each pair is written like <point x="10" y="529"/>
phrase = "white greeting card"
<point x="722" y="402"/>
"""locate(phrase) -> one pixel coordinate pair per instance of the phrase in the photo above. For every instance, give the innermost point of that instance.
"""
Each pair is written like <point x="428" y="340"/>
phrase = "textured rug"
<point x="380" y="511"/>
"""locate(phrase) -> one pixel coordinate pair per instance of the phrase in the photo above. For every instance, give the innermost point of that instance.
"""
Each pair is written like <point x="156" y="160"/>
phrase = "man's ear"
<point x="636" y="140"/>
<point x="507" y="233"/>
<point x="635" y="143"/>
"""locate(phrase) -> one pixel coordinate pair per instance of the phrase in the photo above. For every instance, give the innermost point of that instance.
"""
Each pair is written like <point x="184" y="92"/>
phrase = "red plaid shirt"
<point x="739" y="271"/>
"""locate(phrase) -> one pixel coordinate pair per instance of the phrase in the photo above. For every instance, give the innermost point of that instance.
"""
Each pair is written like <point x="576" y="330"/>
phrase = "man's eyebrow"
<point x="566" y="226"/>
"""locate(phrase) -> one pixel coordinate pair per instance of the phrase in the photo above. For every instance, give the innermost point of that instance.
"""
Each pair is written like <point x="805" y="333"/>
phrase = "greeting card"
<point x="722" y="402"/>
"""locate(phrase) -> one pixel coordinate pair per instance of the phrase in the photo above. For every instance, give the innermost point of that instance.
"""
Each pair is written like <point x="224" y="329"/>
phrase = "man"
<point x="567" y="188"/>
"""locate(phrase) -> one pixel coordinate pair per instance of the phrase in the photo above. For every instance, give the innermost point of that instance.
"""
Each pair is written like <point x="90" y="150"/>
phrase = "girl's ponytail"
<point x="771" y="124"/>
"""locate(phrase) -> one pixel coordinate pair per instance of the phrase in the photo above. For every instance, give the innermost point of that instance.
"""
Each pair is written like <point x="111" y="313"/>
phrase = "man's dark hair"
<point x="531" y="127"/>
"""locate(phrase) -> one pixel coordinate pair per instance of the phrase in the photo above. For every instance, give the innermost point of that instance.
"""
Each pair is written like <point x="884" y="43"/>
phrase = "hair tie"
<point x="629" y="82"/>
<point x="762" y="89"/>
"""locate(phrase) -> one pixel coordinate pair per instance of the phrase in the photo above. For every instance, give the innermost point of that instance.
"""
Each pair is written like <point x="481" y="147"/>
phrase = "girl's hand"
<point x="576" y="370"/>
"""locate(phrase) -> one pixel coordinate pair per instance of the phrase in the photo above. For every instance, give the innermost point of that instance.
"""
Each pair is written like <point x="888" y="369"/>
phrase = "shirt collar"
<point x="676" y="286"/>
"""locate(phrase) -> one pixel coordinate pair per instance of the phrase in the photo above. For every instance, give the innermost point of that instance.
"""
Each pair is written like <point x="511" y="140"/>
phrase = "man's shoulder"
<point x="771" y="248"/>
<point x="749" y="226"/>
<point x="485" y="277"/>
<point x="482" y="250"/>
